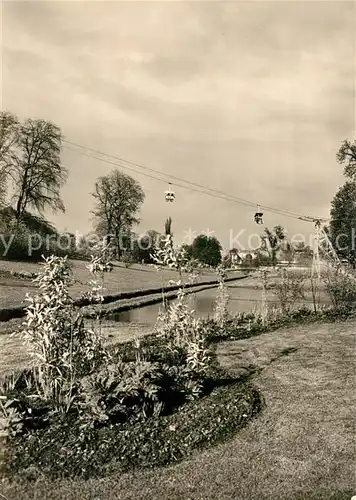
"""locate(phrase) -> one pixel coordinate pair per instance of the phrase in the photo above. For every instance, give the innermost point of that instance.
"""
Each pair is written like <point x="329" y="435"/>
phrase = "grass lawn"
<point x="121" y="279"/>
<point x="302" y="446"/>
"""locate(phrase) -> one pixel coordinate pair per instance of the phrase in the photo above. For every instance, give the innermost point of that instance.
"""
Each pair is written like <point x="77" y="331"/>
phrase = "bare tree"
<point x="118" y="198"/>
<point x="9" y="126"/>
<point x="36" y="169"/>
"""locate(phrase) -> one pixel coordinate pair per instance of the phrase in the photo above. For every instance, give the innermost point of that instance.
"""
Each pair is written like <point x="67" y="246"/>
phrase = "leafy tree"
<point x="118" y="198"/>
<point x="36" y="169"/>
<point x="9" y="126"/>
<point x="188" y="249"/>
<point x="287" y="252"/>
<point x="272" y="242"/>
<point x="343" y="221"/>
<point x="262" y="259"/>
<point x="346" y="156"/>
<point x="207" y="249"/>
<point x="343" y="206"/>
<point x="143" y="247"/>
<point x="303" y="253"/>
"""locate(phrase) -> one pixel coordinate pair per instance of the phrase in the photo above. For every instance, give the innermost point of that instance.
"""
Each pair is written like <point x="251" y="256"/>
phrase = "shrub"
<point x="247" y="324"/>
<point x="222" y="301"/>
<point x="56" y="335"/>
<point x="17" y="236"/>
<point x="18" y="247"/>
<point x="289" y="289"/>
<point x="261" y="260"/>
<point x="184" y="344"/>
<point x="182" y="334"/>
<point x="341" y="288"/>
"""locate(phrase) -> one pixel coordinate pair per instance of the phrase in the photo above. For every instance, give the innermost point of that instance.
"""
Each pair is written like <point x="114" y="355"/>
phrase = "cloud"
<point x="251" y="97"/>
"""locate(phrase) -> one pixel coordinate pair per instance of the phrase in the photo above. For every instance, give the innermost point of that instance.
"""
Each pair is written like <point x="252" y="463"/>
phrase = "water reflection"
<point x="241" y="300"/>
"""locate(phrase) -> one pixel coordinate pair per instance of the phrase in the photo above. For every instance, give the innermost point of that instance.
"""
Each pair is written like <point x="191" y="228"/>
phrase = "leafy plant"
<point x="64" y="349"/>
<point x="121" y="392"/>
<point x="182" y="333"/>
<point x="165" y="254"/>
<point x="222" y="301"/>
<point x="11" y="422"/>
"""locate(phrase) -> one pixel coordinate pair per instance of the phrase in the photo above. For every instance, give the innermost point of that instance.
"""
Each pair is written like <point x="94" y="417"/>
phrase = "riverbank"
<point x="128" y="287"/>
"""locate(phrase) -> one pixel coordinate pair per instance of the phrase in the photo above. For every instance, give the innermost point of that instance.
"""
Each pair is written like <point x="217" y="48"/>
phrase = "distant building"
<point x="249" y="254"/>
<point x="235" y="257"/>
<point x="231" y="257"/>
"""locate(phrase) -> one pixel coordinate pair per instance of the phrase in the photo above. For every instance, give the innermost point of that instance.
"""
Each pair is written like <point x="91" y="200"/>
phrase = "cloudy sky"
<point x="249" y="98"/>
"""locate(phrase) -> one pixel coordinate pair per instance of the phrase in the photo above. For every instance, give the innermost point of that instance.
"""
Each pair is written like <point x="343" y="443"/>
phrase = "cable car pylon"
<point x="322" y="245"/>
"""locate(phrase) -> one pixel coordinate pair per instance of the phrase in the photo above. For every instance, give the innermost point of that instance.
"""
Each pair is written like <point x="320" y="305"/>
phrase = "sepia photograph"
<point x="177" y="250"/>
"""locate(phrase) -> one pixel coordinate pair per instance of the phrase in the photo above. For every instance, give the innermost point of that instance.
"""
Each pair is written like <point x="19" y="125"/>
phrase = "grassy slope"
<point x="121" y="279"/>
<point x="301" y="447"/>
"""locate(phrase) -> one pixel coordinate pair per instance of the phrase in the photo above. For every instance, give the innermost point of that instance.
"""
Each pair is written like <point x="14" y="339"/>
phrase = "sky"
<point x="250" y="98"/>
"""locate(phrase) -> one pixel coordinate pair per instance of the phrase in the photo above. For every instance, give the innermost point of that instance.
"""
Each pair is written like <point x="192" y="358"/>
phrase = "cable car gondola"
<point x="169" y="194"/>
<point x="258" y="216"/>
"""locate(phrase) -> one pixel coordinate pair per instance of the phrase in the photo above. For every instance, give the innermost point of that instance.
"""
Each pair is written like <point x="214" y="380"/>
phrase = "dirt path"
<point x="301" y="447"/>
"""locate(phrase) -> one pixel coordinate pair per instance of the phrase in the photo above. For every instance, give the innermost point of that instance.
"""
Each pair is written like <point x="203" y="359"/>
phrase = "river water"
<point x="241" y="299"/>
